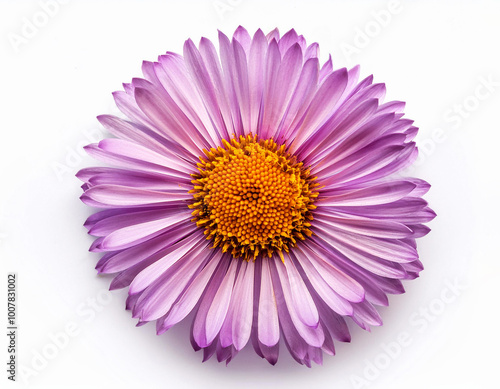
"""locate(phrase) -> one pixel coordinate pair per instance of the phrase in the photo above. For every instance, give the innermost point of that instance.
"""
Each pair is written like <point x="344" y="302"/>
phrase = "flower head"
<point x="257" y="188"/>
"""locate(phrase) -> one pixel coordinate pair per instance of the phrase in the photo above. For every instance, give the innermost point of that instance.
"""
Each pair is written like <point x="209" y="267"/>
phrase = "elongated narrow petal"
<point x="220" y="304"/>
<point x="268" y="325"/>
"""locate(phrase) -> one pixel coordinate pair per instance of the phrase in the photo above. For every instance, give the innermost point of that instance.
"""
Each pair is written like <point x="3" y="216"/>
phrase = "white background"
<point x="434" y="55"/>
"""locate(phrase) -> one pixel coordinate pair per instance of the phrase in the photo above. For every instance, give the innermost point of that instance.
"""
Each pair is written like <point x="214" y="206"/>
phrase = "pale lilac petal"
<point x="366" y="162"/>
<point x="365" y="315"/>
<point x="243" y="38"/>
<point x="271" y="69"/>
<point x="158" y="298"/>
<point x="256" y="66"/>
<point x="321" y="107"/>
<point x="367" y="133"/>
<point x="329" y="296"/>
<point x="326" y="70"/>
<point x="312" y="335"/>
<point x="136" y="165"/>
<point x="168" y="118"/>
<point x="338" y="126"/>
<point x="312" y="51"/>
<point x="113" y="222"/>
<point x="127" y="105"/>
<point x="152" y="272"/>
<point x="344" y="285"/>
<point x="301" y="98"/>
<point x="391" y="250"/>
<point x="130" y="150"/>
<point x="301" y="298"/>
<point x="122" y="196"/>
<point x="119" y="261"/>
<point x="364" y="226"/>
<point x="373" y="195"/>
<point x="371" y="263"/>
<point x="288" y="40"/>
<point x="286" y="81"/>
<point x="146" y="137"/>
<point x="192" y="294"/>
<point x="206" y="73"/>
<point x="268" y="325"/>
<point x="243" y="310"/>
<point x="241" y="86"/>
<point x="273" y="35"/>
<point x="123" y="177"/>
<point x="199" y="324"/>
<point x="174" y="77"/>
<point x="140" y="232"/>
<point x="228" y="63"/>
<point x="220" y="304"/>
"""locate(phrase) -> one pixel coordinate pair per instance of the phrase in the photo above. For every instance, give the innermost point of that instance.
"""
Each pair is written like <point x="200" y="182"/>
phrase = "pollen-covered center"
<point x="251" y="196"/>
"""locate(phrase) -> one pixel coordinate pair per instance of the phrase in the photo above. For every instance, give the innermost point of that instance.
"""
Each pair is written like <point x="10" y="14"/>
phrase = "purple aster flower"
<point x="259" y="189"/>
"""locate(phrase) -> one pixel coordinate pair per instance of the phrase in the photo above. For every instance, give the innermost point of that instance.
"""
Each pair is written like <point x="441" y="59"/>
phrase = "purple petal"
<point x="243" y="38"/>
<point x="313" y="335"/>
<point x="158" y="298"/>
<point x="192" y="295"/>
<point x="256" y="66"/>
<point x="122" y="196"/>
<point x="220" y="304"/>
<point x="340" y="282"/>
<point x="300" y="100"/>
<point x="124" y="259"/>
<point x="361" y="225"/>
<point x="243" y="310"/>
<point x="374" y="195"/>
<point x="268" y="325"/>
<point x="272" y="66"/>
<point x="174" y="253"/>
<point x="286" y="81"/>
<point x="321" y="108"/>
<point x="321" y="287"/>
<point x="131" y="235"/>
<point x="167" y="117"/>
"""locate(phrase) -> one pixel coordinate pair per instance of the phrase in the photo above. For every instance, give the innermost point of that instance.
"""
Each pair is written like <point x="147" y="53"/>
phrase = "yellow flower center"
<point x="252" y="196"/>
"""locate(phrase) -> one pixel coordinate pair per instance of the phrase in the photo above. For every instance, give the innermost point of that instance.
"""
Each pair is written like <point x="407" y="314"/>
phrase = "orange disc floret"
<point x="252" y="197"/>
